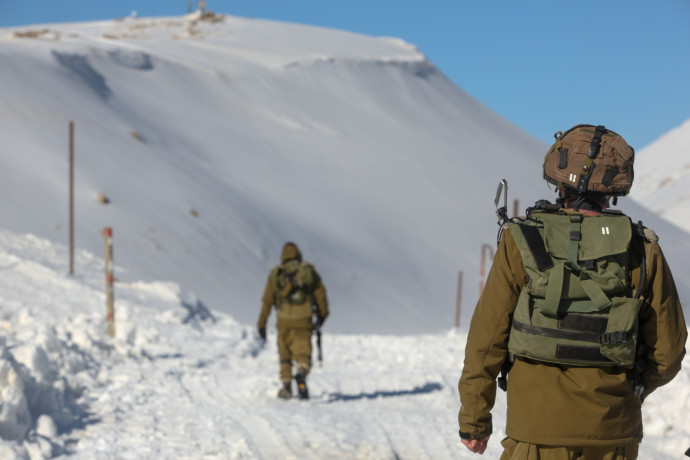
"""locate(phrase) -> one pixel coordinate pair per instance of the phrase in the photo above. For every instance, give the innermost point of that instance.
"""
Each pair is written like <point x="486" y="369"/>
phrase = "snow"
<point x="216" y="141"/>
<point x="180" y="381"/>
<point x="664" y="170"/>
<point x="357" y="148"/>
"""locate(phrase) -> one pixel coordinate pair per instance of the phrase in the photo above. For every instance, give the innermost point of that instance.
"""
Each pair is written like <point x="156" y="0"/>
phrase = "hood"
<point x="290" y="251"/>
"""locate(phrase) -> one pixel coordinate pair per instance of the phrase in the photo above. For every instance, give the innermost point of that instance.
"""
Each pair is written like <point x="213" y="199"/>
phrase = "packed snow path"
<point x="375" y="397"/>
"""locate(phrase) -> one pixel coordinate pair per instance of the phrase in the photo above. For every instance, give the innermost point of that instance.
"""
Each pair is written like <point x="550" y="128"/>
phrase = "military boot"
<point x="302" y="390"/>
<point x="286" y="391"/>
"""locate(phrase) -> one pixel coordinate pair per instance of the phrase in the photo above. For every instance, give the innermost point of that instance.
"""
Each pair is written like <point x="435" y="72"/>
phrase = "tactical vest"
<point x="577" y="307"/>
<point x="293" y="283"/>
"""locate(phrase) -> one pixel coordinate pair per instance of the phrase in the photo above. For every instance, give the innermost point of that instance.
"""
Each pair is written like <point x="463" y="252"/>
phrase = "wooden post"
<point x="458" y="301"/>
<point x="485" y="248"/>
<point x="71" y="198"/>
<point x="109" y="280"/>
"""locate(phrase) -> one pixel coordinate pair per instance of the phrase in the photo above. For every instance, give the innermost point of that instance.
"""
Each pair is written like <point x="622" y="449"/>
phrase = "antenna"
<point x="502" y="212"/>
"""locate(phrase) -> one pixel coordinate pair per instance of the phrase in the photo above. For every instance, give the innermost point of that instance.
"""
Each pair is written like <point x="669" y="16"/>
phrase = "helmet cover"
<point x="590" y="159"/>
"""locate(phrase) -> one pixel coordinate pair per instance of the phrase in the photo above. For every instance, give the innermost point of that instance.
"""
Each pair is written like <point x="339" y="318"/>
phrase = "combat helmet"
<point x="590" y="159"/>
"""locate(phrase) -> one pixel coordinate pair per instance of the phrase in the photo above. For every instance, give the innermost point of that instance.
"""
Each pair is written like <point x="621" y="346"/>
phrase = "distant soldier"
<point x="296" y="290"/>
<point x="581" y="308"/>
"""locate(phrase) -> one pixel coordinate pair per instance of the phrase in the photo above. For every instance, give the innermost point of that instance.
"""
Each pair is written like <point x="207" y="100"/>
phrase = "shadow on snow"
<point x="429" y="387"/>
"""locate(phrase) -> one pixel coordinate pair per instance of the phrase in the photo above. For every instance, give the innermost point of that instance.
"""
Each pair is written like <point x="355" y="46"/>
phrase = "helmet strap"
<point x="589" y="165"/>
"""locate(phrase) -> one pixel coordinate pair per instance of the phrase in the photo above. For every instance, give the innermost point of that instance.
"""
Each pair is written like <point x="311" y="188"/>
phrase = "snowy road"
<point x="181" y="382"/>
<point x="375" y="397"/>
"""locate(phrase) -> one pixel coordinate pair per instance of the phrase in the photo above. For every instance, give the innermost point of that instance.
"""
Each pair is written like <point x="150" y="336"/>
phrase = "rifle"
<point x="317" y="327"/>
<point x="318" y="344"/>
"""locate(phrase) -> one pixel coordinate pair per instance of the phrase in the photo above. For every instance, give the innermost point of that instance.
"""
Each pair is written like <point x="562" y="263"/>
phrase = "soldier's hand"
<point x="262" y="333"/>
<point x="478" y="446"/>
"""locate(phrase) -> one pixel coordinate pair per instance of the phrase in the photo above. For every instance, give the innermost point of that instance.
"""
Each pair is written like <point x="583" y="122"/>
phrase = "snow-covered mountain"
<point x="218" y="140"/>
<point x="662" y="176"/>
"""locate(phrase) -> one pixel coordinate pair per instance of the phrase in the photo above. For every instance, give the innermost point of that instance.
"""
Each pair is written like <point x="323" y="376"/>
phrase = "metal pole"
<point x="458" y="301"/>
<point x="516" y="207"/>
<point x="109" y="280"/>
<point x="71" y="198"/>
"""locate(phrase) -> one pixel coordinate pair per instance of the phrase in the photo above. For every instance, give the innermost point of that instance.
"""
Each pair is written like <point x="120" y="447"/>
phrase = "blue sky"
<point x="543" y="64"/>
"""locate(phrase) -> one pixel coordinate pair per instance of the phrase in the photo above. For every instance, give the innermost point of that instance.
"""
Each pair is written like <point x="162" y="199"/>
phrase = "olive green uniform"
<point x="294" y="321"/>
<point x="550" y="405"/>
<point x="525" y="451"/>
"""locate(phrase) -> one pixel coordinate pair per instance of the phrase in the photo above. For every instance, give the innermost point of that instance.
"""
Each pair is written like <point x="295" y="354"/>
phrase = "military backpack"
<point x="293" y="282"/>
<point x="577" y="307"/>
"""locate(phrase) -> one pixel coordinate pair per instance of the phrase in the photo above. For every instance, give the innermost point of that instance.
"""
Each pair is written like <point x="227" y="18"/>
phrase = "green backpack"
<point x="293" y="281"/>
<point x="577" y="307"/>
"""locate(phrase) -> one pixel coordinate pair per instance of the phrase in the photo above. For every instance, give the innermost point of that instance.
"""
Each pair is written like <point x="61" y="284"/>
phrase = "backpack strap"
<point x="505" y="369"/>
<point x="642" y="236"/>
<point x="640" y="364"/>
<point x="575" y="237"/>
<point x="536" y="246"/>
<point x="558" y="274"/>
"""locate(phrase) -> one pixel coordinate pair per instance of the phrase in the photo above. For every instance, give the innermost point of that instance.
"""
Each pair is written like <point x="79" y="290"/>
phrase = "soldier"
<point x="298" y="293"/>
<point x="581" y="308"/>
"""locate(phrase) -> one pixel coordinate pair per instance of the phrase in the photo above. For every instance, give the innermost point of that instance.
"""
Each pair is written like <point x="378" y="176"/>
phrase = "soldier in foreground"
<point x="296" y="290"/>
<point x="581" y="308"/>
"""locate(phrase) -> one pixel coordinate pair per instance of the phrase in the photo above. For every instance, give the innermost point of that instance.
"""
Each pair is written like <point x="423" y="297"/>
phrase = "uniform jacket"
<point x="291" y="251"/>
<point x="560" y="405"/>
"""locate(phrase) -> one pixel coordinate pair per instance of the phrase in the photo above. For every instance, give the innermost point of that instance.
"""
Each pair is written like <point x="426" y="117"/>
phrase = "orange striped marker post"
<point x="109" y="280"/>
